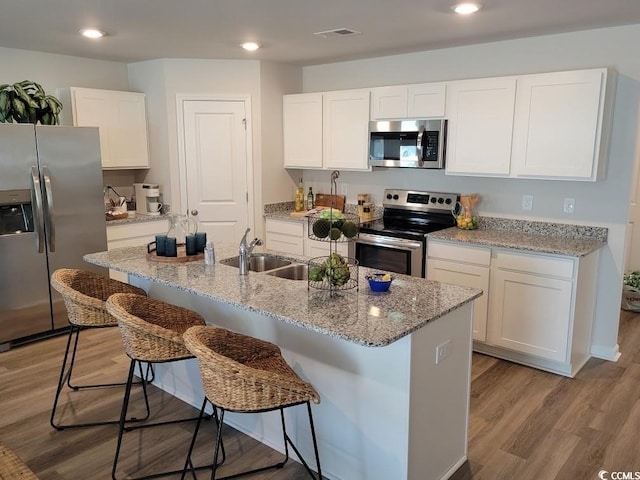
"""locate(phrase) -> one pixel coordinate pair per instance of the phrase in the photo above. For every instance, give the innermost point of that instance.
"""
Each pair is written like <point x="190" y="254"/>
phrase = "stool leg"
<point x="214" y="466"/>
<point x="188" y="464"/>
<point x="123" y="415"/>
<point x="315" y="444"/>
<point x="61" y="382"/>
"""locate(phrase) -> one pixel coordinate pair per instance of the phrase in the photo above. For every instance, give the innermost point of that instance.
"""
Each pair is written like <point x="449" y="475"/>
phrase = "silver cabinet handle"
<point x="36" y="198"/>
<point x="194" y="212"/>
<point x="49" y="217"/>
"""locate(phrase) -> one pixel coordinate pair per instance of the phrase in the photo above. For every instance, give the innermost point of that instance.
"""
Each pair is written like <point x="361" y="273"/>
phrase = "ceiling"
<point x="149" y="29"/>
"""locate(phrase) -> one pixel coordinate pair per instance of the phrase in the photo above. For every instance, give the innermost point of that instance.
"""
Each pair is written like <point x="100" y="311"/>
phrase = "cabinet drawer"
<point x="285" y="228"/>
<point x="135" y="230"/>
<point x="536" y="264"/>
<point x="285" y="243"/>
<point x="459" y="253"/>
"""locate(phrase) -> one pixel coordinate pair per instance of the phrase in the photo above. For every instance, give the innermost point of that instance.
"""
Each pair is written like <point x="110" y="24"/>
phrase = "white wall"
<point x="603" y="203"/>
<point x="265" y="83"/>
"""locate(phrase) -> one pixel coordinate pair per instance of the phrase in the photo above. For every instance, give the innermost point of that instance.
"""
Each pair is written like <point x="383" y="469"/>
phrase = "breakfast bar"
<point x="392" y="369"/>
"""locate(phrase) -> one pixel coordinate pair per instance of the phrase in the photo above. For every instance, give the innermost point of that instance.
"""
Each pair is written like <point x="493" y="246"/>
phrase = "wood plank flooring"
<point x="525" y="424"/>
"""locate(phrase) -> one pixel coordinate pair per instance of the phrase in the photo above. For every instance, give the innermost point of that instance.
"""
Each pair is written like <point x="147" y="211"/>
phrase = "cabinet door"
<point x="467" y="276"/>
<point x="122" y="123"/>
<point x="346" y="130"/>
<point x="558" y="120"/>
<point x="480" y="127"/>
<point x="426" y="100"/>
<point x="530" y="314"/>
<point x="302" y="116"/>
<point x="389" y="102"/>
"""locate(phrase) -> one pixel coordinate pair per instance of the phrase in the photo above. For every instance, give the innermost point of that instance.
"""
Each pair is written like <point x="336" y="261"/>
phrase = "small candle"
<point x="171" y="247"/>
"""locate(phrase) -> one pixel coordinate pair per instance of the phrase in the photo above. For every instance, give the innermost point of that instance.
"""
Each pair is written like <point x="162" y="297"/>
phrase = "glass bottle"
<point x="310" y="202"/>
<point x="298" y="204"/>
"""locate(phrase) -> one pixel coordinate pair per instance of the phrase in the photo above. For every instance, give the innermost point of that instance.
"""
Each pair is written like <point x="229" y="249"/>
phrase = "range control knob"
<point x="433" y="200"/>
<point x="396" y="197"/>
<point x="448" y="201"/>
<point x="388" y="196"/>
<point x="440" y="200"/>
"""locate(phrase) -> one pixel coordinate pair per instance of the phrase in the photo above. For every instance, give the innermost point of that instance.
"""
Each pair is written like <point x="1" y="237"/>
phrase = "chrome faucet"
<point x="244" y="252"/>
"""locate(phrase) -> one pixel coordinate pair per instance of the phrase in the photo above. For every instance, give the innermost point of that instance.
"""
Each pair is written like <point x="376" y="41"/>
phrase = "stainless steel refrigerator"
<point x="51" y="214"/>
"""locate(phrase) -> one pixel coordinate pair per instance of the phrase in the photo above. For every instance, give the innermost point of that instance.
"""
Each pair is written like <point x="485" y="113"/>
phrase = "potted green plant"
<point x="27" y="102"/>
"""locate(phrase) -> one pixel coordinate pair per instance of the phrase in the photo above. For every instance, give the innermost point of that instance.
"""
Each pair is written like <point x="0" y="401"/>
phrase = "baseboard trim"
<point x="606" y="353"/>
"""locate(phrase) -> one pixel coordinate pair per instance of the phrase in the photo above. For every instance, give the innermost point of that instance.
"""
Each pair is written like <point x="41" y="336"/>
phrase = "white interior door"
<point x="632" y="253"/>
<point x="216" y="172"/>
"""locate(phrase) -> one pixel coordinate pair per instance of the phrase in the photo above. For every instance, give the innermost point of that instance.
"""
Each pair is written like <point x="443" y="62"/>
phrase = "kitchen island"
<point x="392" y="370"/>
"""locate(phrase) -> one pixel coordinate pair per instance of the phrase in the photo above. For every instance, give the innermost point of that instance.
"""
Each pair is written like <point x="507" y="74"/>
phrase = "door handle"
<point x="36" y="199"/>
<point x="49" y="217"/>
<point x="419" y="146"/>
<point x="194" y="212"/>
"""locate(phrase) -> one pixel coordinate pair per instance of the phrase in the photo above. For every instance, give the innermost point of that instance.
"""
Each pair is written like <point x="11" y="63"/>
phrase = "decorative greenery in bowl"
<point x="27" y="102"/>
<point x="632" y="280"/>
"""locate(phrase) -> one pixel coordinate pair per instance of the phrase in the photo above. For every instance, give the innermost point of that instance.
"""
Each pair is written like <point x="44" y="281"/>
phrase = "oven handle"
<point x="389" y="242"/>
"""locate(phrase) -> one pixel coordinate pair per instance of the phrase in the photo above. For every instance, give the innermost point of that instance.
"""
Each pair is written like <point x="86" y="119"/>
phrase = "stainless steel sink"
<point x="258" y="263"/>
<point x="292" y="272"/>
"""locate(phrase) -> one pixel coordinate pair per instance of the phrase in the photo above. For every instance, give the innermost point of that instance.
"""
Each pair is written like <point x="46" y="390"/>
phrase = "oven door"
<point x="390" y="254"/>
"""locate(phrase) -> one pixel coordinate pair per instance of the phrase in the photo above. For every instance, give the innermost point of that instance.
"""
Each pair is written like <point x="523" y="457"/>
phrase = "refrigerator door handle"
<point x="38" y="221"/>
<point x="49" y="216"/>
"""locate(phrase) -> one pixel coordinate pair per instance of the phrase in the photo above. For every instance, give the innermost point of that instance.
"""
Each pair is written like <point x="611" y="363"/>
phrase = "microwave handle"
<point x="419" y="146"/>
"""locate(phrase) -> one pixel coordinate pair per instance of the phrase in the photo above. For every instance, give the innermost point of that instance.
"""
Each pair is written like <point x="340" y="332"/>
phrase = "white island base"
<point x="386" y="413"/>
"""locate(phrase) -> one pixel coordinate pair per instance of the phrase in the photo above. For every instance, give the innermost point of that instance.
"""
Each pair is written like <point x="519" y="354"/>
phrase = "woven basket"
<point x="244" y="374"/>
<point x="12" y="467"/>
<point x="85" y="294"/>
<point x="152" y="329"/>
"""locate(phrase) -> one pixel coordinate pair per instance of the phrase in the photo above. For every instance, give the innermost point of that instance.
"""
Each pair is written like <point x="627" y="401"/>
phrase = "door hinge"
<point x="247" y="195"/>
<point x="244" y="122"/>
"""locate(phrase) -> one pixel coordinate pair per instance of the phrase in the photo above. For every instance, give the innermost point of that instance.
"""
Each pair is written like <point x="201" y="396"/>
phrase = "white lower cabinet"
<point x="540" y="307"/>
<point x="292" y="237"/>
<point x="132" y="235"/>
<point x="466" y="266"/>
<point x="530" y="313"/>
<point x="284" y="236"/>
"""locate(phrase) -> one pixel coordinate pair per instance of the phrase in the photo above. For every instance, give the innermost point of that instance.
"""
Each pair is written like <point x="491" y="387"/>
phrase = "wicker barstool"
<point x="245" y="375"/>
<point x="12" y="467"/>
<point x="84" y="294"/>
<point x="151" y="332"/>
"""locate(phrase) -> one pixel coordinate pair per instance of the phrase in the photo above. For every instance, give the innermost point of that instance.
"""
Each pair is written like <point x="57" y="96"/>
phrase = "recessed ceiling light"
<point x="251" y="46"/>
<point x="466" y="8"/>
<point x="92" y="33"/>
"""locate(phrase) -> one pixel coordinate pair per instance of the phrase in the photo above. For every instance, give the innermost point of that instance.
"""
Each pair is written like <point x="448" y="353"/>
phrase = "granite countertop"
<point x="138" y="218"/>
<point x="356" y="315"/>
<point x="540" y="237"/>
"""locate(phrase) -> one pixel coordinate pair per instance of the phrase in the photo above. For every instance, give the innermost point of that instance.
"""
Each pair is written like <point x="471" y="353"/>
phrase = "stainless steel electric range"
<point x="397" y="242"/>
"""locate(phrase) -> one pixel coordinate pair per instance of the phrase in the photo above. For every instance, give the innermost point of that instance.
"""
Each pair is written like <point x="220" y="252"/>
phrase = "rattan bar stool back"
<point x="12" y="467"/>
<point x="152" y="332"/>
<point x="247" y="375"/>
<point x="85" y="294"/>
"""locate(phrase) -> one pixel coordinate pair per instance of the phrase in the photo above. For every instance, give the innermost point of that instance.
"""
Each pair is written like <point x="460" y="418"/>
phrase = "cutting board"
<point x="334" y="201"/>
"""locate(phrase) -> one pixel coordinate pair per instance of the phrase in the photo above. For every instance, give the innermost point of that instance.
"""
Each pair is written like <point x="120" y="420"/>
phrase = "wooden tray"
<point x="181" y="258"/>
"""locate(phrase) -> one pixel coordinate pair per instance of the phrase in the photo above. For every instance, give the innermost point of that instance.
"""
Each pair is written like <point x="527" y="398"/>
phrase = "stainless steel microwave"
<point x="412" y="143"/>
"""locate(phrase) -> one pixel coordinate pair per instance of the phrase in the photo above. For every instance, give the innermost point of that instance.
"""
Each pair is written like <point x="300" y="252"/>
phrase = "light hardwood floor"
<point x="525" y="424"/>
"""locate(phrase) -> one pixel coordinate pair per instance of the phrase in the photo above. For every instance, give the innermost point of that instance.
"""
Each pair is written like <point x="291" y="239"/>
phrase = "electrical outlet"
<point x="527" y="202"/>
<point x="569" y="205"/>
<point x="443" y="351"/>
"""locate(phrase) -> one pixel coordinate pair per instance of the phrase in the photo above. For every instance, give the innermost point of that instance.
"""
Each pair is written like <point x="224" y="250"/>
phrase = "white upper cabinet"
<point x="302" y="127"/>
<point x="558" y="126"/>
<point x="480" y="126"/>
<point x="327" y="130"/>
<point x="346" y="130"/>
<point x="408" y="101"/>
<point x="122" y="123"/>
